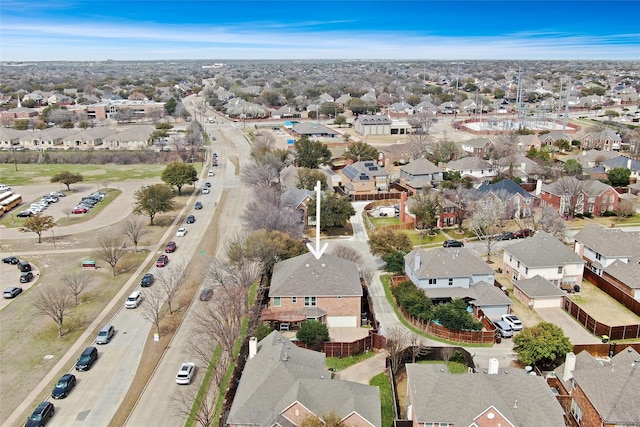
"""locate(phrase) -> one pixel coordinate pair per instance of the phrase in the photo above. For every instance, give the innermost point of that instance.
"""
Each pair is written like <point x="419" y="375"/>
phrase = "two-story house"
<point x="478" y="169"/>
<point x="606" y="140"/>
<point x="543" y="255"/>
<point x="326" y="289"/>
<point x="569" y="193"/>
<point x="420" y="173"/>
<point x="626" y="163"/>
<point x="285" y="385"/>
<point x="480" y="147"/>
<point x="365" y="177"/>
<point x="518" y="202"/>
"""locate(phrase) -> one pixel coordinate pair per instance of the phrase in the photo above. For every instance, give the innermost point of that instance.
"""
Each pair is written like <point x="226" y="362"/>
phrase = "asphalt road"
<point x="158" y="396"/>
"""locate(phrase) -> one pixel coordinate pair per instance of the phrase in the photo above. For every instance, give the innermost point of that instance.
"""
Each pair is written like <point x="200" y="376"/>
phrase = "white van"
<point x="134" y="300"/>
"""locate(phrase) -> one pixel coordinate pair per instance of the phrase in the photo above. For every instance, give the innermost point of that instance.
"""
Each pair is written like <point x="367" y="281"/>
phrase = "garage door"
<point x="342" y="322"/>
<point x="547" y="302"/>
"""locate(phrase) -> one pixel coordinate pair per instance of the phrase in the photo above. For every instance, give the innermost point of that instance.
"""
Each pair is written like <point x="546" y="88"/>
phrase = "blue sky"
<point x="32" y="30"/>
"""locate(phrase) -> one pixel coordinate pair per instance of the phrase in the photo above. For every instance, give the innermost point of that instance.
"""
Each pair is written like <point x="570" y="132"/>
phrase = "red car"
<point x="79" y="210"/>
<point x="521" y="234"/>
<point x="171" y="247"/>
<point x="162" y="261"/>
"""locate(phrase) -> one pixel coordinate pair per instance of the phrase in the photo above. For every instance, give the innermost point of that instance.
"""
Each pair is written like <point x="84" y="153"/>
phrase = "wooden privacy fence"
<point x="598" y="328"/>
<point x="605" y="350"/>
<point x="613" y="291"/>
<point x="345" y="349"/>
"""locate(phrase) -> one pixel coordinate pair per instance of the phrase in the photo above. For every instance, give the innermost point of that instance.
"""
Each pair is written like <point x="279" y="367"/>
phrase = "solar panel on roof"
<point x="368" y="164"/>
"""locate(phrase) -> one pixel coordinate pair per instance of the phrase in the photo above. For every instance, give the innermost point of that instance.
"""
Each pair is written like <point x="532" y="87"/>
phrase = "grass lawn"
<point x="453" y="367"/>
<point x="423" y="238"/>
<point x="389" y="220"/>
<point x="32" y="174"/>
<point x="340" y="363"/>
<point x="386" y="398"/>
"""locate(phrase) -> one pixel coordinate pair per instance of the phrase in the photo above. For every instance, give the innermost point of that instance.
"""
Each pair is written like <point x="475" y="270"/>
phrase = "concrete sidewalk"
<point x="363" y="372"/>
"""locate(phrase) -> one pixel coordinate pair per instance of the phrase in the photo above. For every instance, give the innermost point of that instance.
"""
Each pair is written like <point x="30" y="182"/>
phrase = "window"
<point x="276" y="301"/>
<point x="310" y="301"/>
<point x="450" y="281"/>
<point x="526" y="270"/>
<point x="560" y="270"/>
<point x="518" y="264"/>
<point x="576" y="412"/>
<point x="515" y="275"/>
<point x="294" y="300"/>
<point x="432" y="281"/>
<point x="598" y="257"/>
<point x="510" y="258"/>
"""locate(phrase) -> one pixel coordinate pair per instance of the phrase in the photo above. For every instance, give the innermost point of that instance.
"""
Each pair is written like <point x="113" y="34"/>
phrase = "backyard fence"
<point x="597" y="328"/>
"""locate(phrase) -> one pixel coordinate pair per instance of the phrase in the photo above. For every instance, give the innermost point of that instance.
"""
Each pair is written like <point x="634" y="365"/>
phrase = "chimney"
<point x="253" y="347"/>
<point x="523" y="165"/>
<point x="416" y="261"/>
<point x="628" y="163"/>
<point x="538" y="187"/>
<point x="403" y="200"/>
<point x="494" y="366"/>
<point x="569" y="366"/>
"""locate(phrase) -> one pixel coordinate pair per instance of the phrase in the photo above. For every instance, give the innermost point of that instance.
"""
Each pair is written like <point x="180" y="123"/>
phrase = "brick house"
<point x="420" y="173"/>
<point x="326" y="289"/>
<point x="607" y="140"/>
<point x="518" y="202"/>
<point x="592" y="197"/>
<point x="480" y="147"/>
<point x="365" y="177"/>
<point x="597" y="393"/>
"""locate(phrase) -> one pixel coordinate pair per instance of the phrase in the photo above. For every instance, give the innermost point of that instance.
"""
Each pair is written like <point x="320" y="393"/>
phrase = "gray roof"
<point x="438" y="396"/>
<point x="477" y="142"/>
<point x="311" y="128"/>
<point x="294" y="197"/>
<point x="305" y="275"/>
<point x="282" y="373"/>
<point x="469" y="163"/>
<point x="629" y="274"/>
<point x="420" y="167"/>
<point x="364" y="170"/>
<point x="374" y="120"/>
<point x="447" y="262"/>
<point x="538" y="287"/>
<point x="543" y="250"/>
<point x="611" y="242"/>
<point x="611" y="388"/>
<point x="590" y="187"/>
<point x="480" y="294"/>
<point x="622" y="162"/>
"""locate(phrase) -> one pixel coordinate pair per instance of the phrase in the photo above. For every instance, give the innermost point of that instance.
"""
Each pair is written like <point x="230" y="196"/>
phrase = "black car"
<point x="65" y="384"/>
<point x="207" y="184"/>
<point x="10" y="260"/>
<point x="147" y="280"/>
<point x="506" y="235"/>
<point x="41" y="415"/>
<point x="26" y="277"/>
<point x="190" y="219"/>
<point x="198" y="205"/>
<point x="206" y="294"/>
<point x="25" y="214"/>
<point x="453" y="244"/>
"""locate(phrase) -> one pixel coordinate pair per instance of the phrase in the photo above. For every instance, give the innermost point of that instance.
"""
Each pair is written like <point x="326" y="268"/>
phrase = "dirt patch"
<point x="602" y="307"/>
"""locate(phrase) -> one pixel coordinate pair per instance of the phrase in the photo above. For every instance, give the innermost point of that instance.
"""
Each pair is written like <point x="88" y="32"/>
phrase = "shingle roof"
<point x="374" y="120"/>
<point x="505" y="185"/>
<point x="420" y="167"/>
<point x="481" y="294"/>
<point x="447" y="262"/>
<point x="477" y="142"/>
<point x="469" y="163"/>
<point x="438" y="396"/>
<point x="611" y="388"/>
<point x="538" y="287"/>
<point x="629" y="274"/>
<point x="622" y="162"/>
<point x="310" y="128"/>
<point x="305" y="275"/>
<point x="590" y="187"/>
<point x="610" y="242"/>
<point x="543" y="250"/>
<point x="281" y="373"/>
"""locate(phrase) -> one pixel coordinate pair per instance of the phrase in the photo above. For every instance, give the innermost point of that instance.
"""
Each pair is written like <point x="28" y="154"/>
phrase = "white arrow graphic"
<point x="317" y="252"/>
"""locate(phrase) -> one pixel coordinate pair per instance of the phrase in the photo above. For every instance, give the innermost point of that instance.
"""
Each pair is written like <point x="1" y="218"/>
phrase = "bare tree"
<point x="185" y="399"/>
<point x="397" y="340"/>
<point x="420" y="145"/>
<point x="66" y="212"/>
<point x="53" y="301"/>
<point x="170" y="280"/>
<point x="485" y="221"/>
<point x="366" y="275"/>
<point x="422" y="122"/>
<point x="267" y="212"/>
<point x="544" y="218"/>
<point x="462" y="201"/>
<point x="134" y="231"/>
<point x="346" y="252"/>
<point x="76" y="282"/>
<point x="112" y="249"/>
<point x="571" y="192"/>
<point x="262" y="145"/>
<point x="153" y="308"/>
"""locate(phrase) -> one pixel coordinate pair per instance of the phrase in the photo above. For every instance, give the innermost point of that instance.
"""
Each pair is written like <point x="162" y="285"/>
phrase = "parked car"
<point x="162" y="261"/>
<point x="12" y="292"/>
<point x="207" y="184"/>
<point x="26" y="277"/>
<point x="206" y="294"/>
<point x="521" y="234"/>
<point x="41" y="415"/>
<point x="205" y="190"/>
<point x="171" y="247"/>
<point x="503" y="328"/>
<point x="181" y="232"/>
<point x="106" y="333"/>
<point x="80" y="210"/>
<point x="65" y="384"/>
<point x="134" y="300"/>
<point x="25" y="214"/>
<point x="513" y="321"/>
<point x="11" y="260"/>
<point x="147" y="280"/>
<point x="87" y="359"/>
<point x="190" y="219"/>
<point x="198" y="206"/>
<point x="185" y="373"/>
<point x="23" y="266"/>
<point x="506" y="235"/>
<point x="211" y="173"/>
<point x="452" y="244"/>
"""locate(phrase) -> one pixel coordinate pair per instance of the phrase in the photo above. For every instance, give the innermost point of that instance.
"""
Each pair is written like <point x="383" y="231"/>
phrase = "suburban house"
<point x="298" y="200"/>
<point x="480" y="147"/>
<point x="606" y="140"/>
<point x="446" y="267"/>
<point x="89" y="138"/>
<point x="526" y="142"/>
<point x="478" y="169"/>
<point x="598" y="392"/>
<point x="372" y="125"/>
<point x="613" y="254"/>
<point x="420" y="173"/>
<point x="591" y="158"/>
<point x="550" y="138"/>
<point x="518" y="202"/>
<point x="435" y="397"/>
<point x="537" y="292"/>
<point x="285" y="112"/>
<point x="326" y="289"/>
<point x="285" y="385"/>
<point x="623" y="162"/>
<point x="445" y="216"/>
<point x="519" y="166"/>
<point x="365" y="177"/>
<point x="543" y="255"/>
<point x="588" y="196"/>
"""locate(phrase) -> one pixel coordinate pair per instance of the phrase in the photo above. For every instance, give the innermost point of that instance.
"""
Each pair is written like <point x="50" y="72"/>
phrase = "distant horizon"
<point x="359" y="30"/>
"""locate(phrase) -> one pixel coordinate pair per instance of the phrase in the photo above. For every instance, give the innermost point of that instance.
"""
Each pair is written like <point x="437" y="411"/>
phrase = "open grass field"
<point x="31" y="174"/>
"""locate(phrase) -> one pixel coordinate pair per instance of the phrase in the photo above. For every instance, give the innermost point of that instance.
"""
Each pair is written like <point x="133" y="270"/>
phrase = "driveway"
<point x="572" y="329"/>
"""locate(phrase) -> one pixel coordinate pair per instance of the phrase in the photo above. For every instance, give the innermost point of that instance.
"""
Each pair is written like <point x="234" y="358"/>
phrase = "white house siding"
<point x="342" y="322"/>
<point x="458" y="282"/>
<point x="488" y="278"/>
<point x="571" y="273"/>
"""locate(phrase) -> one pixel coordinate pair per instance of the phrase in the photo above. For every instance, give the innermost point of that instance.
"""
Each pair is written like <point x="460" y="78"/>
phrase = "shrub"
<point x="313" y="333"/>
<point x="262" y="331"/>
<point x="413" y="300"/>
<point x="609" y="213"/>
<point x="454" y="315"/>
